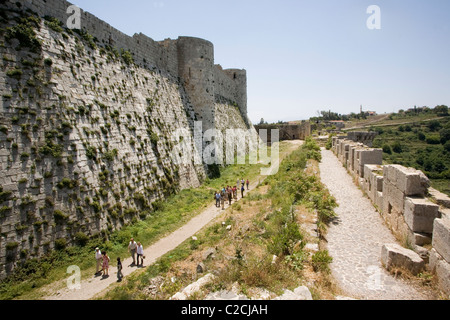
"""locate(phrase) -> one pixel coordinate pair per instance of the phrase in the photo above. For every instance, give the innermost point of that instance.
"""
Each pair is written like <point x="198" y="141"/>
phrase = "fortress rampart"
<point x="188" y="59"/>
<point x="87" y="141"/>
<point x="416" y="213"/>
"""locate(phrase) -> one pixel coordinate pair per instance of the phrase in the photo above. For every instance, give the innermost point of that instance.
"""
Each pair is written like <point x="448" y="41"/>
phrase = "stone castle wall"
<point x="416" y="214"/>
<point x="86" y="140"/>
<point x="189" y="58"/>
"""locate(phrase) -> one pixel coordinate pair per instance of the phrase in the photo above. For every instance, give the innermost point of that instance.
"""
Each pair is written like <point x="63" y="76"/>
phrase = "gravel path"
<point x="96" y="286"/>
<point x="355" y="239"/>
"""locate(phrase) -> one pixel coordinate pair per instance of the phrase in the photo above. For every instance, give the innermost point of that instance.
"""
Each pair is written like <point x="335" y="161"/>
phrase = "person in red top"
<point x="248" y="182"/>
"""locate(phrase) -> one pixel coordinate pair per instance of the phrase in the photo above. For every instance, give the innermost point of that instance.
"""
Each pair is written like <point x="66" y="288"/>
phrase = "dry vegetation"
<point x="259" y="244"/>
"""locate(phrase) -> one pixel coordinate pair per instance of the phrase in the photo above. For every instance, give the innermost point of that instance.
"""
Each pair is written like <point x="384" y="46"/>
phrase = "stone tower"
<point x="195" y="68"/>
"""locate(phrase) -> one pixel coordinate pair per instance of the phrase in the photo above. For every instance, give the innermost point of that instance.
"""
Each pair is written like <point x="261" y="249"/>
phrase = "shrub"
<point x="433" y="125"/>
<point x="24" y="32"/>
<point x="59" y="216"/>
<point x="421" y="136"/>
<point x="444" y="135"/>
<point x="127" y="57"/>
<point x="321" y="260"/>
<point x="81" y="239"/>
<point x="433" y="139"/>
<point x="16" y="72"/>
<point x="67" y="183"/>
<point x="447" y="146"/>
<point x="60" y="244"/>
<point x="11" y="246"/>
<point x="48" y="62"/>
<point x="91" y="153"/>
<point x="397" y="147"/>
<point x="54" y="24"/>
<point x="387" y="149"/>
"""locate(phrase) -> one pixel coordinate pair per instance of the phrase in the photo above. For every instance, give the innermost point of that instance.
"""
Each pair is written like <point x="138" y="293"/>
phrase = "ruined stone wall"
<point x="287" y="131"/>
<point x="416" y="214"/>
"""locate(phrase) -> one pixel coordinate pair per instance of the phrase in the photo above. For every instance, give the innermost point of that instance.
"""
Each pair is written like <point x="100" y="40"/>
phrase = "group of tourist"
<point x="134" y="248"/>
<point x="137" y="250"/>
<point x="230" y="192"/>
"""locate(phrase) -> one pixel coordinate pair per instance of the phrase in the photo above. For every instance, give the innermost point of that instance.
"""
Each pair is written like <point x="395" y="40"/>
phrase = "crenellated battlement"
<point x="188" y="59"/>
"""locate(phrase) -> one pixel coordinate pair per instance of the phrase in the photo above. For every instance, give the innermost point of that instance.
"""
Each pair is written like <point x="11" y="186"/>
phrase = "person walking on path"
<point x="217" y="197"/>
<point x="119" y="270"/>
<point x="242" y="191"/>
<point x="222" y="199"/>
<point x="132" y="246"/>
<point x="105" y="264"/>
<point x="98" y="258"/>
<point x="248" y="182"/>
<point x="140" y="254"/>
<point x="235" y="192"/>
<point x="230" y="195"/>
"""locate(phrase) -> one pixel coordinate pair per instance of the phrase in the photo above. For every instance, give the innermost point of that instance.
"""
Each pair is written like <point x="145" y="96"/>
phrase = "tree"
<point x="441" y="111"/>
<point x="397" y="147"/>
<point x="444" y="135"/>
<point x="434" y="125"/>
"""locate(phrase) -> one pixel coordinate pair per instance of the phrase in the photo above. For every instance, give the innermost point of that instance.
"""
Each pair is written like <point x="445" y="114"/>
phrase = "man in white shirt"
<point x="132" y="246"/>
<point x="98" y="257"/>
<point x="140" y="253"/>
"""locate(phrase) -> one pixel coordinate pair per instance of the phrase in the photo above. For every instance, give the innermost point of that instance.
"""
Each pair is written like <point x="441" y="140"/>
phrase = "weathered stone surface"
<point x="208" y="253"/>
<point x="441" y="268"/>
<point x="440" y="198"/>
<point x="419" y="238"/>
<point x="420" y="213"/>
<point x="410" y="181"/>
<point x="441" y="238"/>
<point x="193" y="287"/>
<point x="300" y="293"/>
<point x="393" y="198"/>
<point x="393" y="255"/>
<point x="373" y="181"/>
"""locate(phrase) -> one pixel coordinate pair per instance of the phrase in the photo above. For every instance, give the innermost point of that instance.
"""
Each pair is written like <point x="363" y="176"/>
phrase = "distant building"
<point x="339" y="124"/>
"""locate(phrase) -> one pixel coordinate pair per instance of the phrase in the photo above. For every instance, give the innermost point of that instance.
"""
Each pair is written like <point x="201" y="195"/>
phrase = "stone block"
<point x="393" y="198"/>
<point x="439" y="197"/>
<point x="441" y="238"/>
<point x="441" y="268"/>
<point x="410" y="181"/>
<point x="373" y="182"/>
<point x="393" y="255"/>
<point x="420" y="214"/>
<point x="371" y="156"/>
<point x="419" y="238"/>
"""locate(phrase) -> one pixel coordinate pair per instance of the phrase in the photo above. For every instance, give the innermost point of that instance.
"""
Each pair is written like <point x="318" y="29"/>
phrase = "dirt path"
<point x="355" y="240"/>
<point x="95" y="286"/>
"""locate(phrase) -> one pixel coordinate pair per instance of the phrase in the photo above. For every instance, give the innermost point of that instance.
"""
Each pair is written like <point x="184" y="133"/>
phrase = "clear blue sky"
<point x="305" y="56"/>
